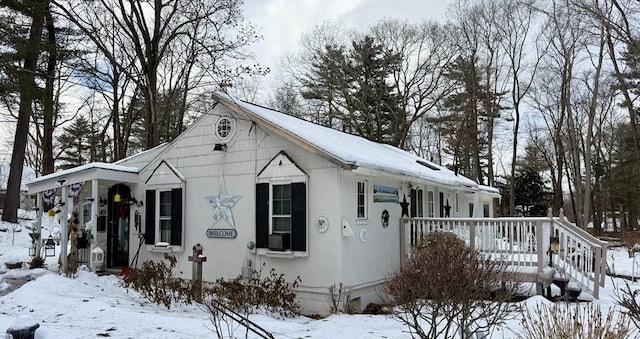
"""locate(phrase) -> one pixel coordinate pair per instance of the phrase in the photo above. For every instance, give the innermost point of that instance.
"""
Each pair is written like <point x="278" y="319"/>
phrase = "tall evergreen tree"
<point x="327" y="85"/>
<point x="469" y="107"/>
<point x="352" y="86"/>
<point x="622" y="180"/>
<point x="18" y="63"/>
<point x="372" y="106"/>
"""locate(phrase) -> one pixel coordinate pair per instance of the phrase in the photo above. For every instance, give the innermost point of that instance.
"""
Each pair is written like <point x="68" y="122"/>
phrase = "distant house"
<point x="257" y="187"/>
<point x="28" y="174"/>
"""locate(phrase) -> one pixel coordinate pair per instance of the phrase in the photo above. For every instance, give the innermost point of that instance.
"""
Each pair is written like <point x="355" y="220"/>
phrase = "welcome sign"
<point x="222" y="233"/>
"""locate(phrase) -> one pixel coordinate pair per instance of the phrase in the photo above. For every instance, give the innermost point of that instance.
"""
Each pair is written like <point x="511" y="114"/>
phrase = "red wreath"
<point x="120" y="211"/>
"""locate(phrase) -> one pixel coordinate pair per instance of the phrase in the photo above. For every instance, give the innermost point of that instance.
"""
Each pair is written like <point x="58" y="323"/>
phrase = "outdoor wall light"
<point x="554" y="244"/>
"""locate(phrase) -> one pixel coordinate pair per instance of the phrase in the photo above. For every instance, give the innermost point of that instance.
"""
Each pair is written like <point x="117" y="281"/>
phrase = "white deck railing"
<point x="521" y="242"/>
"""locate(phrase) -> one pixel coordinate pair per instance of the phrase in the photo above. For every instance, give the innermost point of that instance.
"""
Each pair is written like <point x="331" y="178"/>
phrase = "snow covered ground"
<point x="97" y="306"/>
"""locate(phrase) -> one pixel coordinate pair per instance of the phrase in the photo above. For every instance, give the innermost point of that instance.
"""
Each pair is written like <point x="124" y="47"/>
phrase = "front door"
<point x="118" y="226"/>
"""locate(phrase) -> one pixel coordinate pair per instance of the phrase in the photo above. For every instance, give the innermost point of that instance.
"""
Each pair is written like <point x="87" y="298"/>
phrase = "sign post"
<point x="197" y="258"/>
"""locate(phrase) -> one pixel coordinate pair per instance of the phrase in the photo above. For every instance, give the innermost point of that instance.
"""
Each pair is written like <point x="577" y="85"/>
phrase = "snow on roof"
<point x="350" y="149"/>
<point x="93" y="165"/>
<point x="489" y="189"/>
<point x="139" y="154"/>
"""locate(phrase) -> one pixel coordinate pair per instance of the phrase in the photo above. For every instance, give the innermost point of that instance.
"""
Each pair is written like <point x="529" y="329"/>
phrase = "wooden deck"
<point x="529" y="244"/>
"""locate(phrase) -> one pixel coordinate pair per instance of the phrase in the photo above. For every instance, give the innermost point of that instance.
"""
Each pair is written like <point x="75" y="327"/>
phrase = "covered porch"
<point x="97" y="200"/>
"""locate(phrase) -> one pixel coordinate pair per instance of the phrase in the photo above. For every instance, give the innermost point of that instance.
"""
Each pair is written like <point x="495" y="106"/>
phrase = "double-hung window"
<point x="163" y="216"/>
<point x="419" y="203"/>
<point x="361" y="198"/>
<point x="281" y="217"/>
<point x="281" y="207"/>
<point x="431" y="204"/>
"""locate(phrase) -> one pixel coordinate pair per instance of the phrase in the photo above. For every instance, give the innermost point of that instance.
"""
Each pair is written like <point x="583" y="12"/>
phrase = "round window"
<point x="224" y="128"/>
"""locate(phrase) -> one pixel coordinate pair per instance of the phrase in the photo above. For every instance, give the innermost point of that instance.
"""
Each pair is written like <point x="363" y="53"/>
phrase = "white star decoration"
<point x="222" y="204"/>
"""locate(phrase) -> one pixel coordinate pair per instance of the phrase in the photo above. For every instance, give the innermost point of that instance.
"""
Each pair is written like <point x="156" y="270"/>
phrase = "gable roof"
<point x="347" y="150"/>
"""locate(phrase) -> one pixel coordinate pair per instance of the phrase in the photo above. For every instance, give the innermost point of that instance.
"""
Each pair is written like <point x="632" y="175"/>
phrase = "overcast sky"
<point x="282" y="22"/>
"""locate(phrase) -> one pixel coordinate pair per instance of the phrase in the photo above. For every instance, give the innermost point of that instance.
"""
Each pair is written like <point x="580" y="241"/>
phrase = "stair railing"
<point x="523" y="243"/>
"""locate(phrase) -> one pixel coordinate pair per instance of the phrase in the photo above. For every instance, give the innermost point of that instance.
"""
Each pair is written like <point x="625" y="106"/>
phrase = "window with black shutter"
<point x="163" y="216"/>
<point x="281" y="207"/>
<point x="281" y="216"/>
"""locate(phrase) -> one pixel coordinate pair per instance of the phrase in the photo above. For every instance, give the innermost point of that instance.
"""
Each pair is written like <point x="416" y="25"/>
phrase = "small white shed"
<point x="253" y="185"/>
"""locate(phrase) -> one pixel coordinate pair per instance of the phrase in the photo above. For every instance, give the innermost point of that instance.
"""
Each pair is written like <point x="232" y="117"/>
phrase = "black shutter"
<point x="150" y="218"/>
<point x="262" y="215"/>
<point x="414" y="203"/>
<point x="298" y="217"/>
<point x="176" y="216"/>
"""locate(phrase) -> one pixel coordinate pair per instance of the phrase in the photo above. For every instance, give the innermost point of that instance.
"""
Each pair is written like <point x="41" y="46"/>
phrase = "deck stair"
<point x="538" y="248"/>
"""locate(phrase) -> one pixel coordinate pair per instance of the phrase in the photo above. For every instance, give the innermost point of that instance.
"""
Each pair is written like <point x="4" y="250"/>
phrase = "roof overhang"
<point x="414" y="179"/>
<point x="93" y="171"/>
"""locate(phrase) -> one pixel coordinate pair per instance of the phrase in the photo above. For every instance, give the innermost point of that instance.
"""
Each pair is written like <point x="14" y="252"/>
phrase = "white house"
<point x="254" y="186"/>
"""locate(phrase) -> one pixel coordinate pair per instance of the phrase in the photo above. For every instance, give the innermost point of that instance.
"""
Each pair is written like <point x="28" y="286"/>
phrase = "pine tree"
<point x="352" y="88"/>
<point x="469" y="107"/>
<point x="373" y="107"/>
<point x="18" y="63"/>
<point x="75" y="143"/>
<point x="327" y="85"/>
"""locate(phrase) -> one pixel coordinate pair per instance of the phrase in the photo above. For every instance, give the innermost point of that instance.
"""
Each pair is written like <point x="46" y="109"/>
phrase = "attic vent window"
<point x="224" y="128"/>
<point x="428" y="165"/>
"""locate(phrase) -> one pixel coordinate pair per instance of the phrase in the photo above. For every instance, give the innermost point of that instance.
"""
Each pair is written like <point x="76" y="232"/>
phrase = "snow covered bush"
<point x="447" y="289"/>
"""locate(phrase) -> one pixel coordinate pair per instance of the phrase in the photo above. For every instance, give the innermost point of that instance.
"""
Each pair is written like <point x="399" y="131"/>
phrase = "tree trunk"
<point x="48" y="120"/>
<point x="28" y="90"/>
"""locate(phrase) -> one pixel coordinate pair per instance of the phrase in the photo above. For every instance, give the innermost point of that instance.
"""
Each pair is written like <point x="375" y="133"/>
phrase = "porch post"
<point x="596" y="273"/>
<point x="94" y="220"/>
<point x="403" y="244"/>
<point x="63" y="226"/>
<point x="478" y="209"/>
<point x="38" y="229"/>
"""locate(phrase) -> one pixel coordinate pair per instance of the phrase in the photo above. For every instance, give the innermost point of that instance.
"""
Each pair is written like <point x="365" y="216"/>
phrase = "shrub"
<point x="573" y="321"/>
<point x="156" y="282"/>
<point x="229" y="303"/>
<point x="339" y="299"/>
<point x="628" y="298"/>
<point x="271" y="293"/>
<point x="36" y="262"/>
<point x="447" y="289"/>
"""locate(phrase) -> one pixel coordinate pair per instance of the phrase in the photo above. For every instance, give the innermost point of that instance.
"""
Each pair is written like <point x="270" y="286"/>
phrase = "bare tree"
<point x="516" y="21"/>
<point x="425" y="50"/>
<point x="166" y="49"/>
<point x="554" y="90"/>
